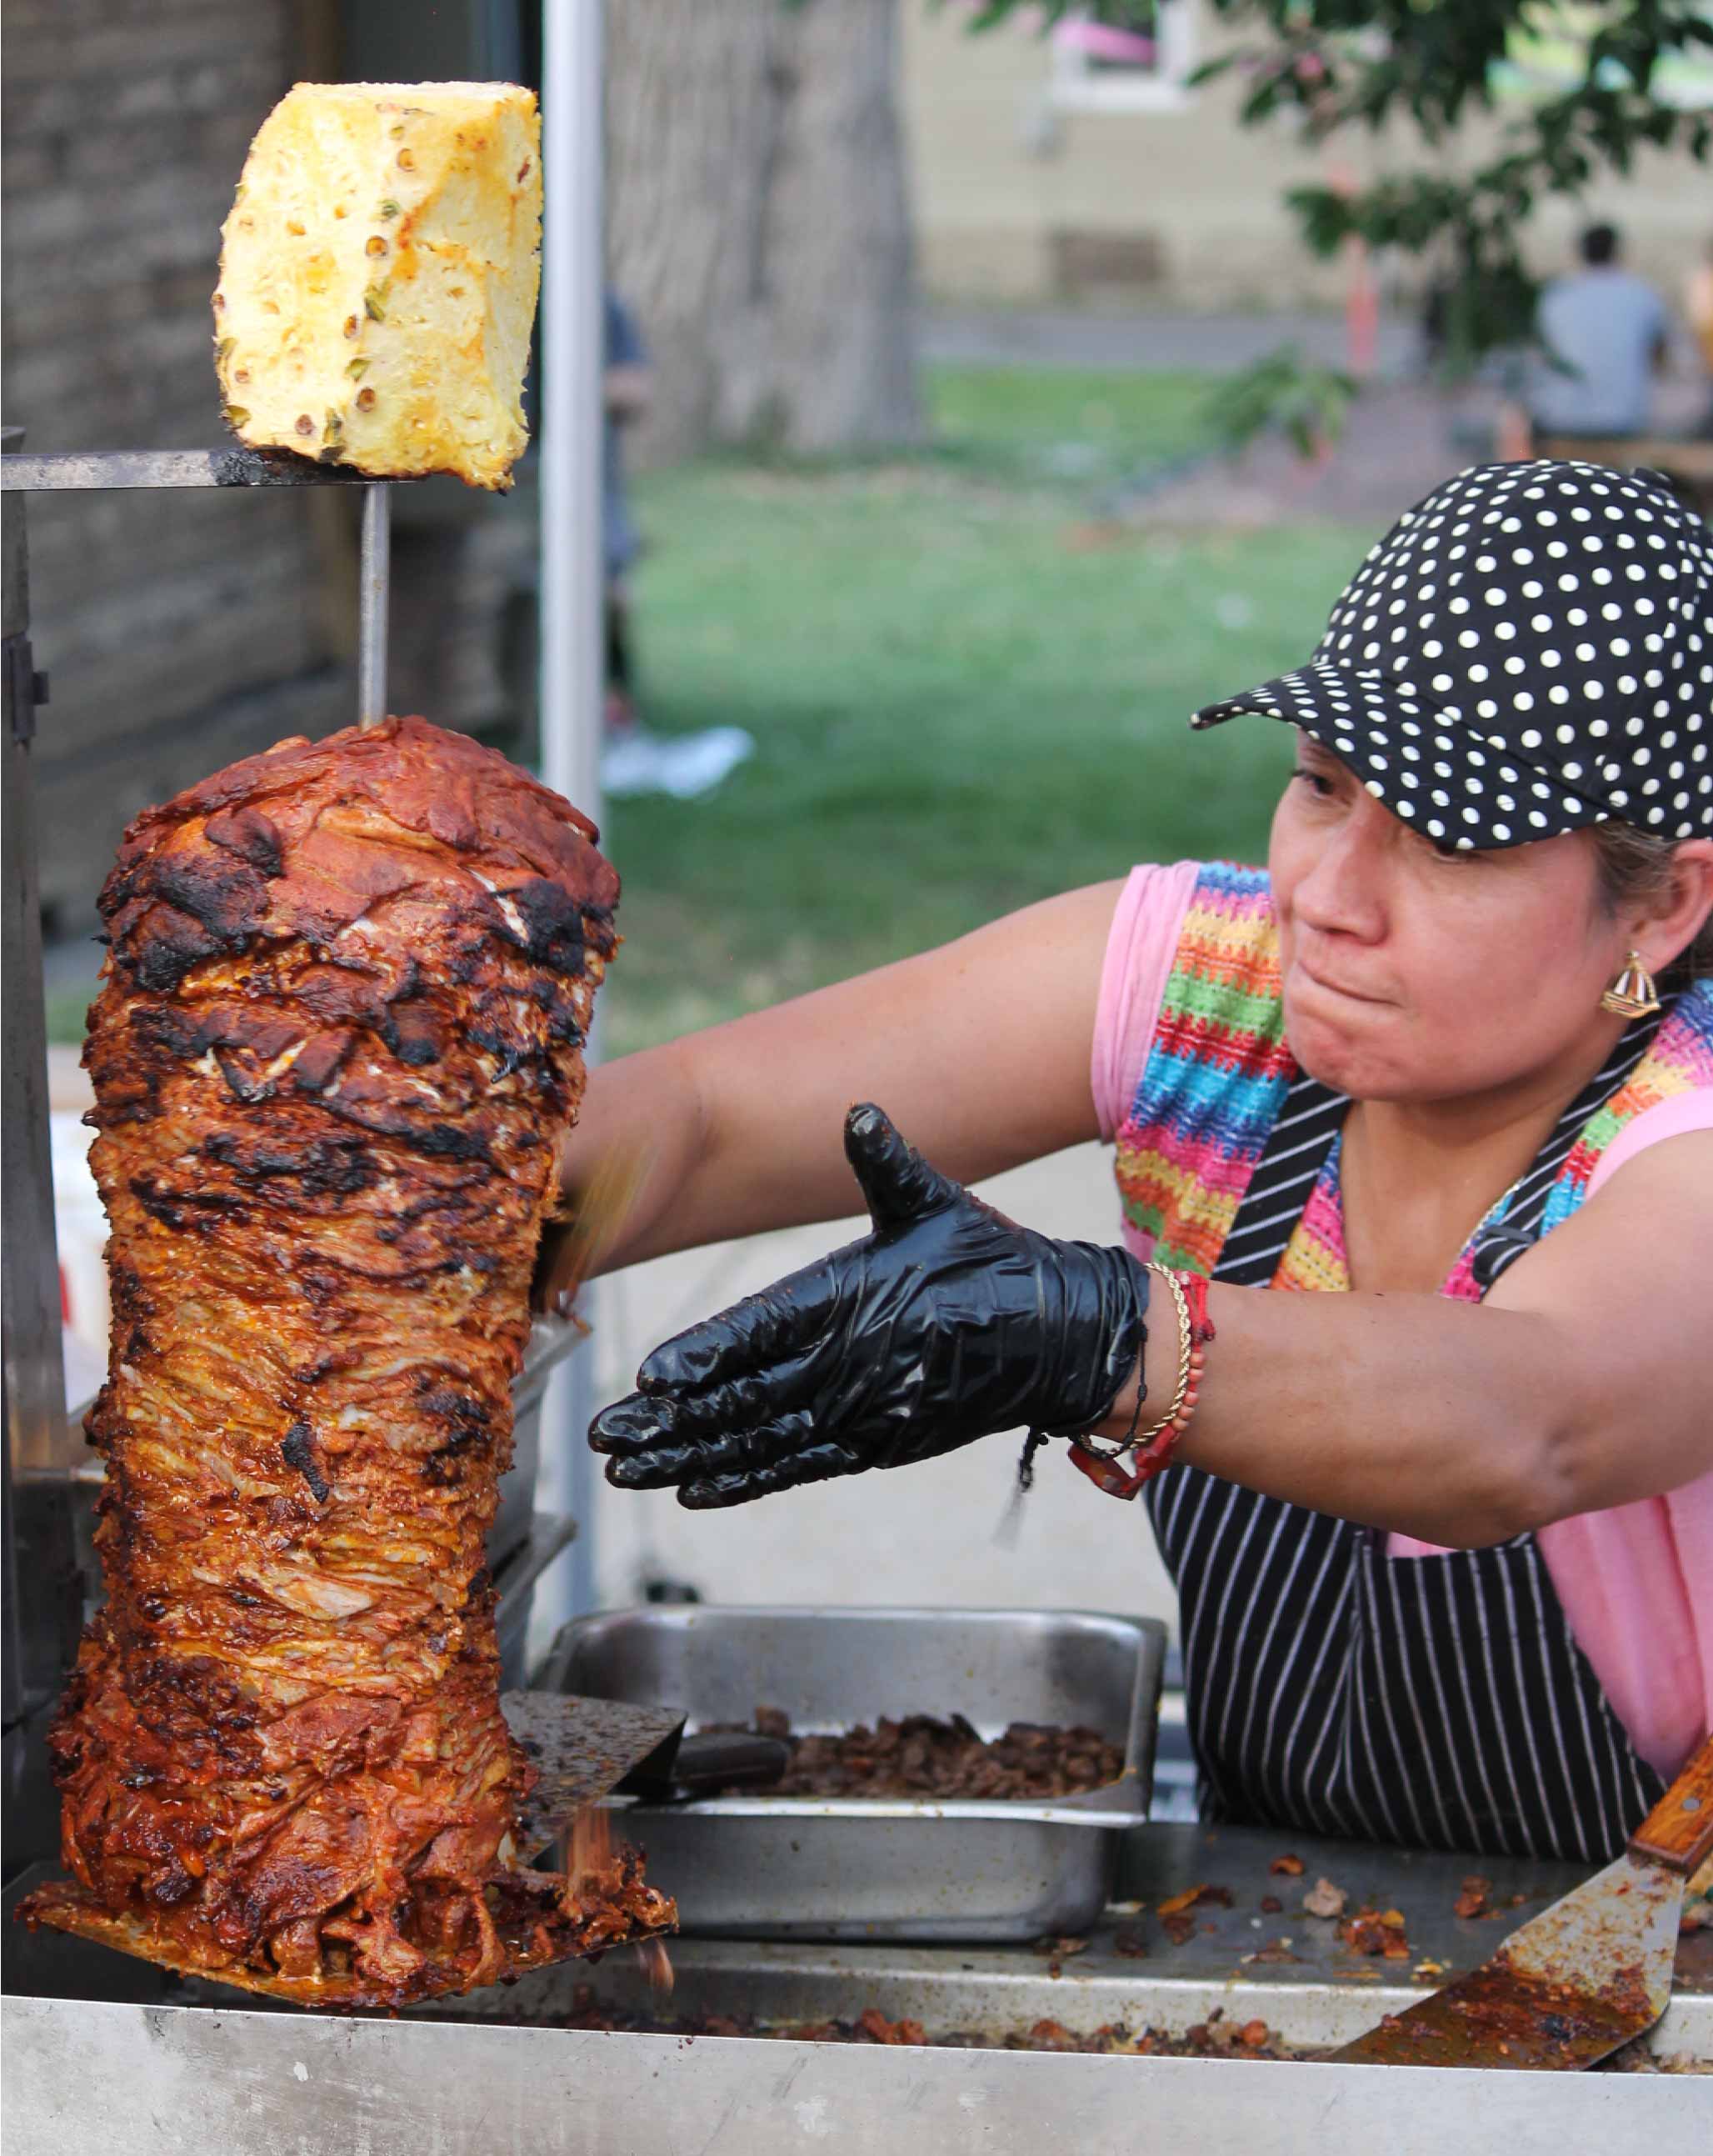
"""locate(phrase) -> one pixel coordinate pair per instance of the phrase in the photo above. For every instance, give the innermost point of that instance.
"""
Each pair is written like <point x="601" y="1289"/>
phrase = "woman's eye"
<point x="1318" y="785"/>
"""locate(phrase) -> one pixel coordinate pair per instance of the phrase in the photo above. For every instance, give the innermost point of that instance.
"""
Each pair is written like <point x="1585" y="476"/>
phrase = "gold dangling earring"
<point x="1633" y="993"/>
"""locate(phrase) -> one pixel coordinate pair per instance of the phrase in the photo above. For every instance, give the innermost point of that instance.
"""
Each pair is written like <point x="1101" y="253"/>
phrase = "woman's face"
<point x="1413" y="974"/>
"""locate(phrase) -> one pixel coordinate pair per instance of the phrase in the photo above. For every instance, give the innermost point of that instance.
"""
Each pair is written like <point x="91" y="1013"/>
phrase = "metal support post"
<point x="42" y="1600"/>
<point x="571" y="689"/>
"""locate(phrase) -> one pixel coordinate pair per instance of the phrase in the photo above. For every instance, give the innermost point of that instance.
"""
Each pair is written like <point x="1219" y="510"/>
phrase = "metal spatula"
<point x="581" y="1750"/>
<point x="585" y="1749"/>
<point x="1585" y="1976"/>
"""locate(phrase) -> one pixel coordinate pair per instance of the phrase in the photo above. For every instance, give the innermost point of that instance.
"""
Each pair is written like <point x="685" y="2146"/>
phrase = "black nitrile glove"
<point x="947" y="1324"/>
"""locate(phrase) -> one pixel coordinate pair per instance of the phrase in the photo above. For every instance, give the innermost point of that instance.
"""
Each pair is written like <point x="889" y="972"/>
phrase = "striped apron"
<point x="1434" y="1702"/>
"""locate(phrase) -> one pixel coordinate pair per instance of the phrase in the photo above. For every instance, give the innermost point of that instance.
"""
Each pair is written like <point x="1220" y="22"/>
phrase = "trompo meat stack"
<point x="339" y="1033"/>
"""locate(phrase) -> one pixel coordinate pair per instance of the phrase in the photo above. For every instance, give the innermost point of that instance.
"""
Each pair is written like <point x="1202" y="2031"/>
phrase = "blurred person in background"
<point x="626" y="390"/>
<point x="634" y="760"/>
<point x="1698" y="311"/>
<point x="1606" y="333"/>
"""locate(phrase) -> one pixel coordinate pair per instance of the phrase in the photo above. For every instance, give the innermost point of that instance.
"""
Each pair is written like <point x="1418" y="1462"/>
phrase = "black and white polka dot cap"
<point x="1528" y="650"/>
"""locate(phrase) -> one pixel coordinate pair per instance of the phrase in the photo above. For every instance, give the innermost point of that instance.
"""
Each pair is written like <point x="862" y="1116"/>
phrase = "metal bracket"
<point x="25" y="689"/>
<point x="86" y="470"/>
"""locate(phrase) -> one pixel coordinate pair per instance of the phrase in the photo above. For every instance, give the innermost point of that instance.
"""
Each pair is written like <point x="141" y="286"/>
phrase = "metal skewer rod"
<point x="83" y="471"/>
<point x="375" y="580"/>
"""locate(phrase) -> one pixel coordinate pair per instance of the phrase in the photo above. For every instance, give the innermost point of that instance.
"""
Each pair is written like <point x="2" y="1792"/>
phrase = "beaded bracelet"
<point x="1151" y="1449"/>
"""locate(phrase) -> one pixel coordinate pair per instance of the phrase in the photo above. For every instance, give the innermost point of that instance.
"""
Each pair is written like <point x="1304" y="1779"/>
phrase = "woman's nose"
<point x="1343" y="892"/>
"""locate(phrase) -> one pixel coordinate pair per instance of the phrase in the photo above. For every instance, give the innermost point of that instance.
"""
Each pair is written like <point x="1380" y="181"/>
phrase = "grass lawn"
<point x="964" y="695"/>
<point x="1068" y="426"/>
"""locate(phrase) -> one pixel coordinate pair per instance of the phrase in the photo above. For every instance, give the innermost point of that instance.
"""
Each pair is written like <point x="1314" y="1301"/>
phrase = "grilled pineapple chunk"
<point x="378" y="277"/>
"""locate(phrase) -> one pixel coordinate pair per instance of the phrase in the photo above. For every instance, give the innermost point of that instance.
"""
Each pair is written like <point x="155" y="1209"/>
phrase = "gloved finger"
<point x="897" y="1185"/>
<point x="735" y="1451"/>
<point x="822" y="1463"/>
<point x="661" y="1469"/>
<point x="643" y="1422"/>
<point x="630" y="1425"/>
<point x="777" y="1323"/>
<point x="742" y="1404"/>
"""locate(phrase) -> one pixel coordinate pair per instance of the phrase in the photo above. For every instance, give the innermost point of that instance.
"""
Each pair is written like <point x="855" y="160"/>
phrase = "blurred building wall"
<point x="1023" y="195"/>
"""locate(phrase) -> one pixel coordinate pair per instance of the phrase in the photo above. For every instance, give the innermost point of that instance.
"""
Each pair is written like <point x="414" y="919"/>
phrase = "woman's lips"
<point x="1336" y="987"/>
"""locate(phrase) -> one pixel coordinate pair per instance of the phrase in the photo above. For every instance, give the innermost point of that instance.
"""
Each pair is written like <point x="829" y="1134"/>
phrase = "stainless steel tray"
<point x="856" y="1868"/>
<point x="164" y="2080"/>
<point x="983" y="1999"/>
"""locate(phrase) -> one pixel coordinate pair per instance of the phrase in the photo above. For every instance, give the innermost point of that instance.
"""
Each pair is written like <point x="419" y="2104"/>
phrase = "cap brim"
<point x="1433" y="769"/>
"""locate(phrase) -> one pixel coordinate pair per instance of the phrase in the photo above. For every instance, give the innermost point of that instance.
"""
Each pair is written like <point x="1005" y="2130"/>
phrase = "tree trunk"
<point x="758" y="220"/>
<point x="687" y="121"/>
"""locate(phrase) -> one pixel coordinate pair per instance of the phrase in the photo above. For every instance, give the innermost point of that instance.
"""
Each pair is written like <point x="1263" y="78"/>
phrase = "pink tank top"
<point x="1635" y="1581"/>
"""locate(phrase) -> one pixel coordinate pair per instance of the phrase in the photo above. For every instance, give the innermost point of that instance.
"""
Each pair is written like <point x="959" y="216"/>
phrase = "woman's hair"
<point x="1635" y="867"/>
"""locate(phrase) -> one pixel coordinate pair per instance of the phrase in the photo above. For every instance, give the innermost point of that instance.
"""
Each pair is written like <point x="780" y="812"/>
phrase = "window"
<point x="1139" y="66"/>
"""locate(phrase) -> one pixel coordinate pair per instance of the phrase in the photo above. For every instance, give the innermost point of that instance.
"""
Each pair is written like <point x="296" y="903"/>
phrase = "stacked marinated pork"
<point x="339" y="1035"/>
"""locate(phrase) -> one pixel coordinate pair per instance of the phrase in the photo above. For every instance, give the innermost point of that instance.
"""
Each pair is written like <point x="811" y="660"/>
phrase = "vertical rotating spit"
<point x="376" y="574"/>
<point x="43" y="1464"/>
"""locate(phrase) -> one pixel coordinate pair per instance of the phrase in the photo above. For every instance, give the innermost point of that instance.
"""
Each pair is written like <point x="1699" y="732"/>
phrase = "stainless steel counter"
<point x="1132" y="1971"/>
<point x="101" y="2055"/>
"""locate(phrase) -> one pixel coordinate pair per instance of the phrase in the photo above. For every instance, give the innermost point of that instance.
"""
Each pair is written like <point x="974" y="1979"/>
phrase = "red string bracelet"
<point x="1152" y="1450"/>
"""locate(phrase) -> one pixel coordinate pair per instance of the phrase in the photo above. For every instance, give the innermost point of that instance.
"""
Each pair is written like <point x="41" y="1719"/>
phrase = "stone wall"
<point x="179" y="629"/>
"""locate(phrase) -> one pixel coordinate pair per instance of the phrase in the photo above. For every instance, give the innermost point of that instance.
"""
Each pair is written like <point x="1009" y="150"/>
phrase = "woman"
<point x="1442" y="1526"/>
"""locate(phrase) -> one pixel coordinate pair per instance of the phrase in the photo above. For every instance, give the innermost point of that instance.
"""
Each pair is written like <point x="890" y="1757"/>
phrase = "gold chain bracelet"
<point x="1187" y="1359"/>
<point x="1186" y="1355"/>
<point x="1151" y="1450"/>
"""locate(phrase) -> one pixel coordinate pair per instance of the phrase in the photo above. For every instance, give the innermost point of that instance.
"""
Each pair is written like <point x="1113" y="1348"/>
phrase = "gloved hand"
<point x="947" y="1324"/>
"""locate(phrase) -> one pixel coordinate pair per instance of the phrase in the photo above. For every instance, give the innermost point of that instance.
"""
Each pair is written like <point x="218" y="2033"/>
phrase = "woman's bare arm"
<point x="980" y="1049"/>
<point x="1579" y="1383"/>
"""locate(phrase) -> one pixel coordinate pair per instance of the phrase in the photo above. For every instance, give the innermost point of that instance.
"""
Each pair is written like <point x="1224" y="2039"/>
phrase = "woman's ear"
<point x="1671" y="923"/>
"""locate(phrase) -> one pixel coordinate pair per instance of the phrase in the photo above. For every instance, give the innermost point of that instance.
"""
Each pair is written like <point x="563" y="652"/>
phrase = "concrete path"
<point x="1402" y="436"/>
<point x="1215" y="344"/>
<point x="1399" y="441"/>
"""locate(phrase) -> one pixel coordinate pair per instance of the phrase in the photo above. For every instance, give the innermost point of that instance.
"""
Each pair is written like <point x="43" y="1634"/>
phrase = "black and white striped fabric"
<point x="1434" y="1702"/>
